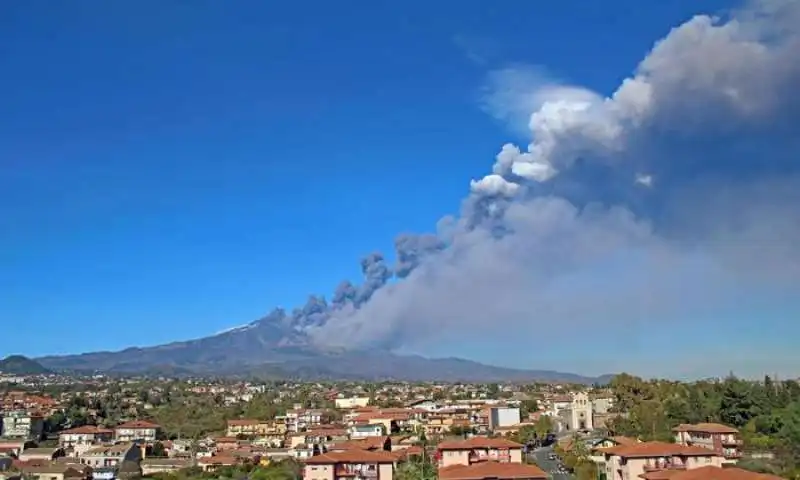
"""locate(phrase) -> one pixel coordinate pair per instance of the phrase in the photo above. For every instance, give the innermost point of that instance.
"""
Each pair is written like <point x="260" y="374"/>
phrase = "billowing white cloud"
<point x="696" y="213"/>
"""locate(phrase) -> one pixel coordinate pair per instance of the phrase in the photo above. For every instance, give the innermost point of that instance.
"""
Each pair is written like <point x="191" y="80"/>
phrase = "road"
<point x="540" y="457"/>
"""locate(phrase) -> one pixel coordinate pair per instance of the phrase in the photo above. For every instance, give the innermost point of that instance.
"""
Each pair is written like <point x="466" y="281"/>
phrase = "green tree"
<point x="416" y="468"/>
<point x="543" y="426"/>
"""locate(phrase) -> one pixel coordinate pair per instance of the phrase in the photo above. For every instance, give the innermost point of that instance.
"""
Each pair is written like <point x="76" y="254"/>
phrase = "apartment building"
<point x="351" y="402"/>
<point x="21" y="424"/>
<point x="138" y="430"/>
<point x="596" y="448"/>
<point x="502" y="417"/>
<point x="111" y="456"/>
<point x="492" y="471"/>
<point x="364" y="464"/>
<point x="254" y="428"/>
<point x="84" y="436"/>
<point x="629" y="462"/>
<point x="722" y="439"/>
<point x="367" y="430"/>
<point x="478" y="449"/>
<point x="301" y="419"/>
<point x="482" y="458"/>
<point x="709" y="473"/>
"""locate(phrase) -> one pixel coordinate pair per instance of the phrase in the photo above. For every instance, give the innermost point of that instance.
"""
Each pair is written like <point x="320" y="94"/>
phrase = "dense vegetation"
<point x="766" y="412"/>
<point x="181" y="413"/>
<point x="282" y="470"/>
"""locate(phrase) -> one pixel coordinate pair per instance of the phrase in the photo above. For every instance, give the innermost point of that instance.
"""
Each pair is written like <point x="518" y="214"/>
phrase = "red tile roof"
<point x="709" y="472"/>
<point x="352" y="456"/>
<point x="478" y="442"/>
<point x="484" y="470"/>
<point x="705" y="428"/>
<point x="368" y="443"/>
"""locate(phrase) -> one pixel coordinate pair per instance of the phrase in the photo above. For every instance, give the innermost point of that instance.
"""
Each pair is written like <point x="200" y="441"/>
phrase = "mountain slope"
<point x="272" y="347"/>
<point x="20" y="365"/>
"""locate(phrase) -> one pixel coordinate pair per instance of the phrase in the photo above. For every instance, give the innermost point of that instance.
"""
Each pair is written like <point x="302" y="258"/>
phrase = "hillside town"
<point x="58" y="428"/>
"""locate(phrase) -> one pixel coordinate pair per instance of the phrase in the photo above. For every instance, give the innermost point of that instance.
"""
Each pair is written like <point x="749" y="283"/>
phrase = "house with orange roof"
<point x="349" y="464"/>
<point x="214" y="462"/>
<point x="627" y="462"/>
<point x="707" y="473"/>
<point x="721" y="438"/>
<point x="226" y="443"/>
<point x="382" y="443"/>
<point x="492" y="471"/>
<point x="596" y="449"/>
<point x="85" y="436"/>
<point x="478" y="449"/>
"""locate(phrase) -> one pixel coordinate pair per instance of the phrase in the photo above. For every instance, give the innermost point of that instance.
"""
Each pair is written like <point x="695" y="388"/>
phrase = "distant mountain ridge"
<point x="270" y="348"/>
<point x="21" y="365"/>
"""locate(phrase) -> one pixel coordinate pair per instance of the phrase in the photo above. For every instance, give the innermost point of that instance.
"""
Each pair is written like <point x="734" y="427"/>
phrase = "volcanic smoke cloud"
<point x="675" y="194"/>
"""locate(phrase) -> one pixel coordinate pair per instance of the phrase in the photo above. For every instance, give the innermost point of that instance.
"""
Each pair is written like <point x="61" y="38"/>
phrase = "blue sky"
<point x="171" y="169"/>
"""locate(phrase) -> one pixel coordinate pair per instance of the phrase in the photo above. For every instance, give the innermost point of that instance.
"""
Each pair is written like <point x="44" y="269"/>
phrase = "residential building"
<point x="708" y="473"/>
<point x="214" y="462"/>
<point x="226" y="443"/>
<point x="362" y="464"/>
<point x="301" y="419"/>
<point x="368" y="430"/>
<point x="21" y="424"/>
<point x="14" y="447"/>
<point x="83" y="436"/>
<point x="254" y="428"/>
<point x="151" y="466"/>
<point x="478" y="449"/>
<point x="720" y="438"/>
<point x="40" y="454"/>
<point x="138" y="430"/>
<point x="111" y="456"/>
<point x="425" y="404"/>
<point x="492" y="471"/>
<point x="351" y="402"/>
<point x="628" y="462"/>
<point x="501" y="417"/>
<point x="364" y="443"/>
<point x="602" y="404"/>
<point x="596" y="448"/>
<point x="482" y="458"/>
<point x="56" y="471"/>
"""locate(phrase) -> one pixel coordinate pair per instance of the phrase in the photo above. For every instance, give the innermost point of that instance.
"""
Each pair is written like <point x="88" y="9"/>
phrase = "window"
<point x="708" y="459"/>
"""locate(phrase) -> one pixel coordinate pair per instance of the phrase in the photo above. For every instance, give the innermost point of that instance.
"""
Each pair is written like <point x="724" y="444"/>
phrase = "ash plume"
<point x="675" y="194"/>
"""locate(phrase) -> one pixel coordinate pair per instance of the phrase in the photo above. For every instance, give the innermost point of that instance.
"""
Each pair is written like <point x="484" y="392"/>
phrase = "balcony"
<point x="366" y="471"/>
<point x="664" y="466"/>
<point x="504" y="457"/>
<point x="731" y="442"/>
<point x="732" y="455"/>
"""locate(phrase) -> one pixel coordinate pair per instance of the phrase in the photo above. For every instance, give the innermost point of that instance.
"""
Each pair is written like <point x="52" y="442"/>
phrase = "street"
<point x="540" y="457"/>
